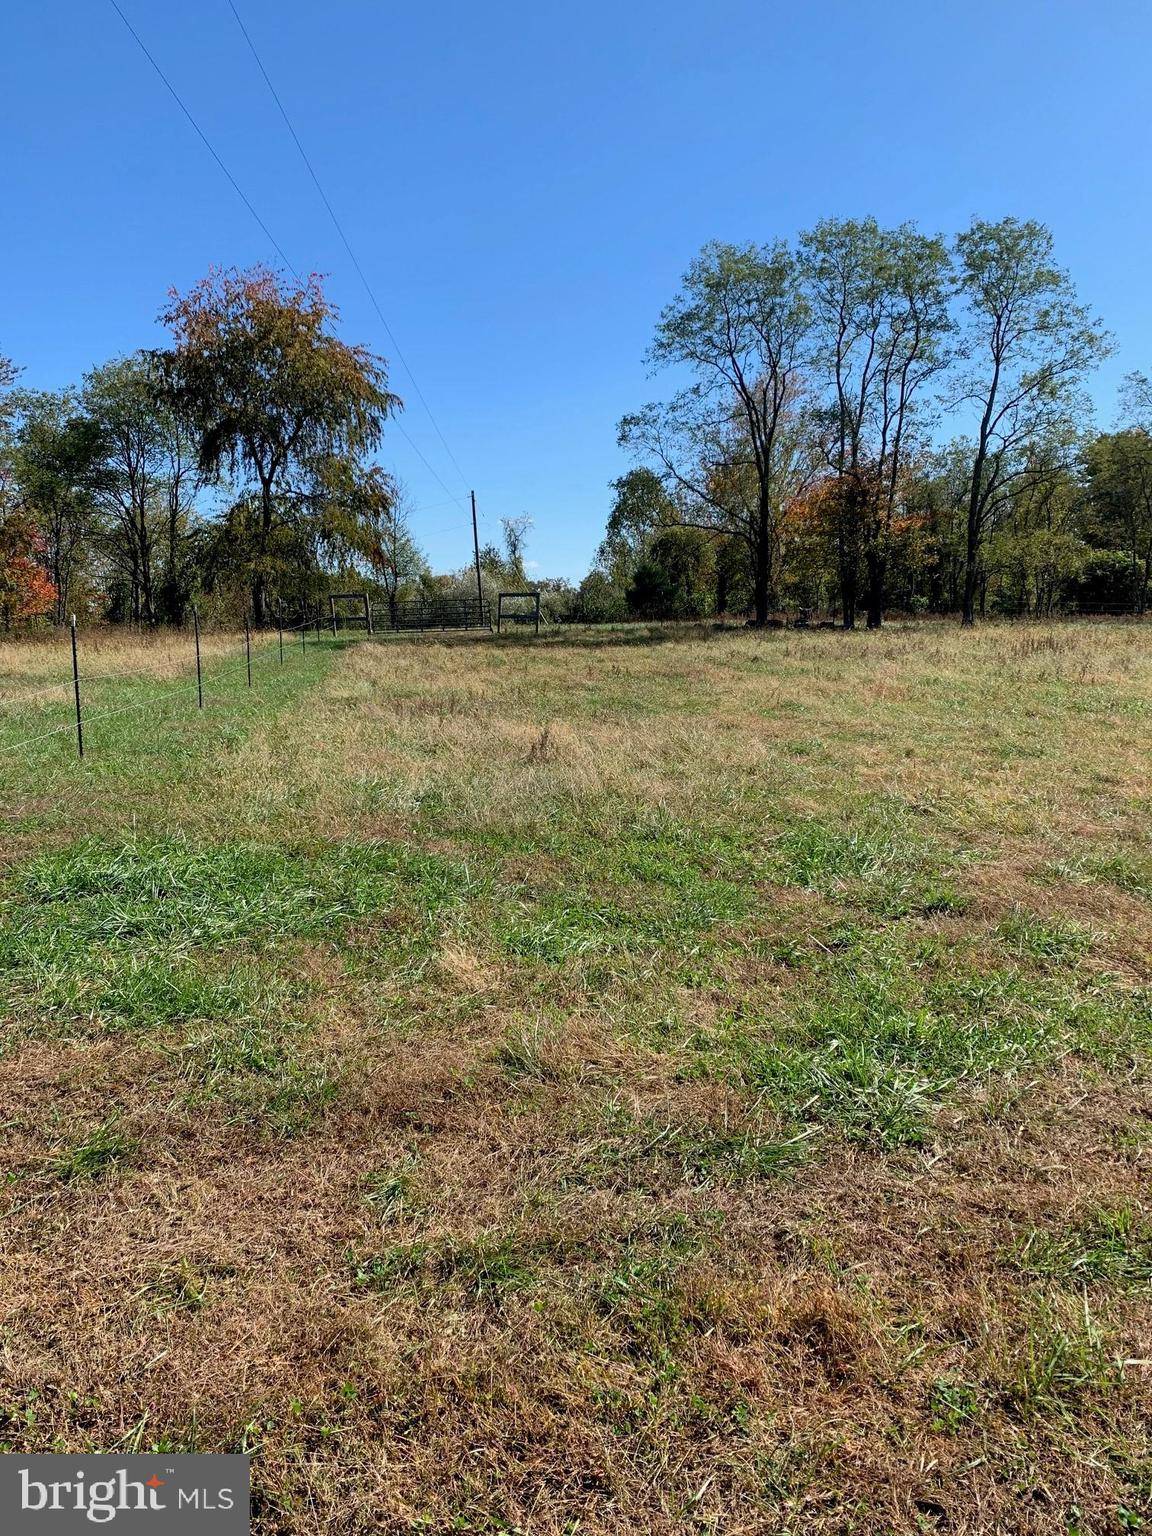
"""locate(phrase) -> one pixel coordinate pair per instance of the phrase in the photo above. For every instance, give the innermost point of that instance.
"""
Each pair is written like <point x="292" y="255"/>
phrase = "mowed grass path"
<point x="672" y="1082"/>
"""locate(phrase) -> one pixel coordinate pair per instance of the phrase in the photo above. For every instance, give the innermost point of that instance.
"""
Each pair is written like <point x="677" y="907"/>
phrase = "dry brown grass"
<point x="521" y="1270"/>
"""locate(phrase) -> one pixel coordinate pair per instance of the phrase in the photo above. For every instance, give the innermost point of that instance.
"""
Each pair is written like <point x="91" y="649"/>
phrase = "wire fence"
<point x="207" y="675"/>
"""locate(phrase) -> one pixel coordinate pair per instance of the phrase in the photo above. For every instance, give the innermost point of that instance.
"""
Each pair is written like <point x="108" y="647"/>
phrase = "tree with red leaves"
<point x="25" y="591"/>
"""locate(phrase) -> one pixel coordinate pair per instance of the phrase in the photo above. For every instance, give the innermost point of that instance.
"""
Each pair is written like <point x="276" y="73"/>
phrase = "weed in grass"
<point x="640" y="1296"/>
<point x="299" y="1097"/>
<point x="486" y="1269"/>
<point x="131" y="935"/>
<point x="125" y="990"/>
<point x="182" y="894"/>
<point x="565" y="925"/>
<point x="883" y="1037"/>
<point x="1127" y="871"/>
<point x="872" y="859"/>
<point x="954" y="1404"/>
<point x="852" y="1086"/>
<point x="181" y="1287"/>
<point x="528" y="1051"/>
<point x="392" y="1267"/>
<point x="646" y="1293"/>
<point x="626" y="1152"/>
<point x="655" y="885"/>
<point x="257" y="1079"/>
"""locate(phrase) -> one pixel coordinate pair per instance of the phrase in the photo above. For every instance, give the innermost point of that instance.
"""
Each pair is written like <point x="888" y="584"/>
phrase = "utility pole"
<point x="476" y="551"/>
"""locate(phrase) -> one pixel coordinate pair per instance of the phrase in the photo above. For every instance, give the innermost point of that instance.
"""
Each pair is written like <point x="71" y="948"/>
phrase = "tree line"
<point x="873" y="418"/>
<point x="234" y="465"/>
<point x="235" y="468"/>
<point x="862" y="420"/>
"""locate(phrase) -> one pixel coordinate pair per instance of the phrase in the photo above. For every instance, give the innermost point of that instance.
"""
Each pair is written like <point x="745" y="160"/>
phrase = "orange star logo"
<point x="154" y="1482"/>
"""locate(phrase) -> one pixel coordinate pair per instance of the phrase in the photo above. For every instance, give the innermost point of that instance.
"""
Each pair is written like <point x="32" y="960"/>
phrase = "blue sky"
<point x="525" y="182"/>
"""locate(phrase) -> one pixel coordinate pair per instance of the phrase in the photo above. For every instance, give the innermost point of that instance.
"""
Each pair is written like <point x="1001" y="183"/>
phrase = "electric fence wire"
<point x="157" y="695"/>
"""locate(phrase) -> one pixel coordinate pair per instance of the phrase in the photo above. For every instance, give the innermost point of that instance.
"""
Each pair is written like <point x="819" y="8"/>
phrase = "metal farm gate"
<point x="440" y="613"/>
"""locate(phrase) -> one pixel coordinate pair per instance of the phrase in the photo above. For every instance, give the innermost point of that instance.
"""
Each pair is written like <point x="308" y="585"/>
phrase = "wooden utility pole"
<point x="476" y="551"/>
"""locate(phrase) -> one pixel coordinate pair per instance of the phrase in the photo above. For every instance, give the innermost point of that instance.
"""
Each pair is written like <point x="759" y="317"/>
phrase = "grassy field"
<point x="653" y="1082"/>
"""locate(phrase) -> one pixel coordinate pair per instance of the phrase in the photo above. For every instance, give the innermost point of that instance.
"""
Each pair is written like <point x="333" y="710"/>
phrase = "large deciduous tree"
<point x="1028" y="345"/>
<point x="641" y="506"/>
<point x="725" y="443"/>
<point x="275" y="395"/>
<point x="880" y="298"/>
<point x="147" y="490"/>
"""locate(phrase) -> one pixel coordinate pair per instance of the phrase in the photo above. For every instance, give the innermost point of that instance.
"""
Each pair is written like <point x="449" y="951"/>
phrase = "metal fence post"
<point x="76" y="691"/>
<point x="280" y="627"/>
<point x="248" y="649"/>
<point x="199" y="673"/>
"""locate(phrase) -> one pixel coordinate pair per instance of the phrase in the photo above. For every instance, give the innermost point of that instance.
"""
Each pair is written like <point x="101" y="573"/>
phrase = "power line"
<point x="204" y="139"/>
<point x="347" y="243"/>
<point x="456" y="500"/>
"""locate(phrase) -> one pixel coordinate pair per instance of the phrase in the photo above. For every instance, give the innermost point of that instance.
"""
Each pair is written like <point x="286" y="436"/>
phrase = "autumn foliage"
<point x="25" y="591"/>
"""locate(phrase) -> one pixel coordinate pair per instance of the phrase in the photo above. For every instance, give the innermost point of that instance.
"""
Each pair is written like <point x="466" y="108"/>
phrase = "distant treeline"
<point x="234" y="468"/>
<point x="873" y="419"/>
<point x="867" y="420"/>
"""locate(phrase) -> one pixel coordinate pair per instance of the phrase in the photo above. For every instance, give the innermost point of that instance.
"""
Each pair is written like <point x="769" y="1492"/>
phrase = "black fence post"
<point x="248" y="649"/>
<point x="199" y="673"/>
<point x="280" y="627"/>
<point x="76" y="691"/>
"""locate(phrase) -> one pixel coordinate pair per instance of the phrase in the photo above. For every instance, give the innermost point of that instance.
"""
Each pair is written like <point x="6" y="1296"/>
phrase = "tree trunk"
<point x="849" y="579"/>
<point x="762" y="567"/>
<point x="972" y="551"/>
<point x="875" y="565"/>
<point x="260" y="576"/>
<point x="848" y="595"/>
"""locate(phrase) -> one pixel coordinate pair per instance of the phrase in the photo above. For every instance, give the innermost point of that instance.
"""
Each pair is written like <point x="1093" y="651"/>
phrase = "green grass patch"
<point x="885" y="1033"/>
<point x="1105" y="1246"/>
<point x="132" y="933"/>
<point x="623" y="1151"/>
<point x="259" y="1077"/>
<point x="105" y="1150"/>
<point x="871" y="859"/>
<point x="487" y="1269"/>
